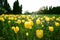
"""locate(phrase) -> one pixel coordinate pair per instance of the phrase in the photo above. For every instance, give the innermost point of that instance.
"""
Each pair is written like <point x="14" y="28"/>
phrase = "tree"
<point x="50" y="9"/>
<point x="16" y="8"/>
<point x="56" y="10"/>
<point x="2" y="7"/>
<point x="43" y="10"/>
<point x="0" y="3"/>
<point x="7" y="6"/>
<point x="20" y="10"/>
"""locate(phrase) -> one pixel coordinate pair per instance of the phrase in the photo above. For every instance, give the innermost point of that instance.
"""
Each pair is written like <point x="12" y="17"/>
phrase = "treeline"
<point x="17" y="9"/>
<point x="6" y="9"/>
<point x="46" y="10"/>
<point x="49" y="10"/>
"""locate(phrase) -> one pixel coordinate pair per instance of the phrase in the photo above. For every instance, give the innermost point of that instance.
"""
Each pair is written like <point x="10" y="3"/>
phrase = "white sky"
<point x="34" y="5"/>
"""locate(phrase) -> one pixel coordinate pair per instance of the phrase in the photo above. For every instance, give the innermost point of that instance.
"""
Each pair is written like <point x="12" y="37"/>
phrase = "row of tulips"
<point x="29" y="27"/>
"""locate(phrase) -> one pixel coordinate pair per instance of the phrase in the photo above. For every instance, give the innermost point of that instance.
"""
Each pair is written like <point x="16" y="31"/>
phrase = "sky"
<point x="34" y="5"/>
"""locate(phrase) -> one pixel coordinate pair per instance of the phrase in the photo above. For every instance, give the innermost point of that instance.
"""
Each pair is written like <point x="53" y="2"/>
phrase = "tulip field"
<point x="29" y="27"/>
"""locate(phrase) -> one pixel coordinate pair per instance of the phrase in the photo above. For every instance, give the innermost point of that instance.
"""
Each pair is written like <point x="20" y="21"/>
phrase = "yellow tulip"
<point x="56" y="24"/>
<point x="47" y="19"/>
<point x="15" y="18"/>
<point x="37" y="21"/>
<point x="42" y="25"/>
<point x="45" y="16"/>
<point x="53" y="17"/>
<point x="31" y="23"/>
<point x="29" y="19"/>
<point x="23" y="21"/>
<point x="39" y="33"/>
<point x="16" y="29"/>
<point x="58" y="19"/>
<point x="2" y="14"/>
<point x="5" y="17"/>
<point x="19" y="17"/>
<point x="2" y="19"/>
<point x="9" y="21"/>
<point x="23" y="16"/>
<point x="11" y="18"/>
<point x="51" y="28"/>
<point x="27" y="25"/>
<point x="41" y="18"/>
<point x="27" y="33"/>
<point x="18" y="21"/>
<point x="33" y="18"/>
<point x="13" y="27"/>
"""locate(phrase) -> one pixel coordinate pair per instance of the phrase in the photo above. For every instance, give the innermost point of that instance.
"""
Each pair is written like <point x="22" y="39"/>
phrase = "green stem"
<point x="17" y="36"/>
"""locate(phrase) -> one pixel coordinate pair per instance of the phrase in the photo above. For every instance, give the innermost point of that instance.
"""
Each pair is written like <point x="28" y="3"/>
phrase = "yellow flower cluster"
<point x="11" y="18"/>
<point x="29" y="21"/>
<point x="23" y="16"/>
